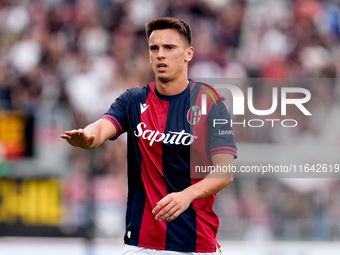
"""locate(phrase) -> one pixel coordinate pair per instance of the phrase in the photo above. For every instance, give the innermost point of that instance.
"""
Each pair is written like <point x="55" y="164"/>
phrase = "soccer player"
<point x="169" y="207"/>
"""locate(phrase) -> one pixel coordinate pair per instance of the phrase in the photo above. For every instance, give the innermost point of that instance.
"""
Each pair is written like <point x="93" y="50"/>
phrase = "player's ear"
<point x="189" y="54"/>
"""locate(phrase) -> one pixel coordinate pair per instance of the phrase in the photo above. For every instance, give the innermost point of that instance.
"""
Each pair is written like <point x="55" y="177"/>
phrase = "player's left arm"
<point x="172" y="205"/>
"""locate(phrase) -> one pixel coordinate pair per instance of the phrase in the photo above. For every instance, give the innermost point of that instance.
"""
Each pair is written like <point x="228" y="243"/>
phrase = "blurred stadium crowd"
<point x="65" y="61"/>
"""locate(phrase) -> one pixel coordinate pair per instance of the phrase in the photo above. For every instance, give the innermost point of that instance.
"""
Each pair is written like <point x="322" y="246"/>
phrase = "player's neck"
<point x="172" y="88"/>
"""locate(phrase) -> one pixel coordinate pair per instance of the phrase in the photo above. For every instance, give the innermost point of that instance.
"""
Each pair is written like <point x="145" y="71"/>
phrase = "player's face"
<point x="169" y="55"/>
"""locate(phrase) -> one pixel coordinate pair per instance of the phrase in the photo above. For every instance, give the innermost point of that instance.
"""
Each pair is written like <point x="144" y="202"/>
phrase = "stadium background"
<point x="62" y="63"/>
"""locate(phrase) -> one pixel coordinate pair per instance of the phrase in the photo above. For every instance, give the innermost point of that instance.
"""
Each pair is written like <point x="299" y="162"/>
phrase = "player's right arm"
<point x="92" y="135"/>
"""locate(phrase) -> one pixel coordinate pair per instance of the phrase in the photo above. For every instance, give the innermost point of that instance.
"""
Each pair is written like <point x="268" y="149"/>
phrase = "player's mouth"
<point x="161" y="67"/>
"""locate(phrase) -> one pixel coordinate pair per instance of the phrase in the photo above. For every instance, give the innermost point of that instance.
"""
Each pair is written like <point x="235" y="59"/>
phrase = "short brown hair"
<point x="169" y="23"/>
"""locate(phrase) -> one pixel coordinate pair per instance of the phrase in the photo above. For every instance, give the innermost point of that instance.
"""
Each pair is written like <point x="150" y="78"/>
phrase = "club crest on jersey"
<point x="194" y="115"/>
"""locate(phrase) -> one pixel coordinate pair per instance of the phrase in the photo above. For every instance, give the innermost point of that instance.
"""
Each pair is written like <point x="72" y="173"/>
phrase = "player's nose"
<point x="161" y="54"/>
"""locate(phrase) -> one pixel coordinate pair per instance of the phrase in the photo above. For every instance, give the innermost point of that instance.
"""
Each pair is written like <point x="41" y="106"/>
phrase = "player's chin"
<point x="163" y="78"/>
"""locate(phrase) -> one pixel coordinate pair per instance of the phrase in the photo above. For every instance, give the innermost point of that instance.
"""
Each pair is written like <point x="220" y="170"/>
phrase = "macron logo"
<point x="143" y="107"/>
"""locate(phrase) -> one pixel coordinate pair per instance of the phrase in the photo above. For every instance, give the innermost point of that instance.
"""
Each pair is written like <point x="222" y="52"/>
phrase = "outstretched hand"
<point x="79" y="138"/>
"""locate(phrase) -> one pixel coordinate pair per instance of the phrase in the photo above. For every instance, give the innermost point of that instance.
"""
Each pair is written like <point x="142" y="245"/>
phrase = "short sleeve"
<point x="117" y="113"/>
<point x="220" y="133"/>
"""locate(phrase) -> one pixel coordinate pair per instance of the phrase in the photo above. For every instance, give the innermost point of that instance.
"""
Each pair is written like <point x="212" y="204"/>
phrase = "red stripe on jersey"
<point x="223" y="150"/>
<point x="193" y="85"/>
<point x="153" y="232"/>
<point x="207" y="224"/>
<point x="207" y="220"/>
<point x="115" y="122"/>
<point x="199" y="155"/>
<point x="224" y="147"/>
